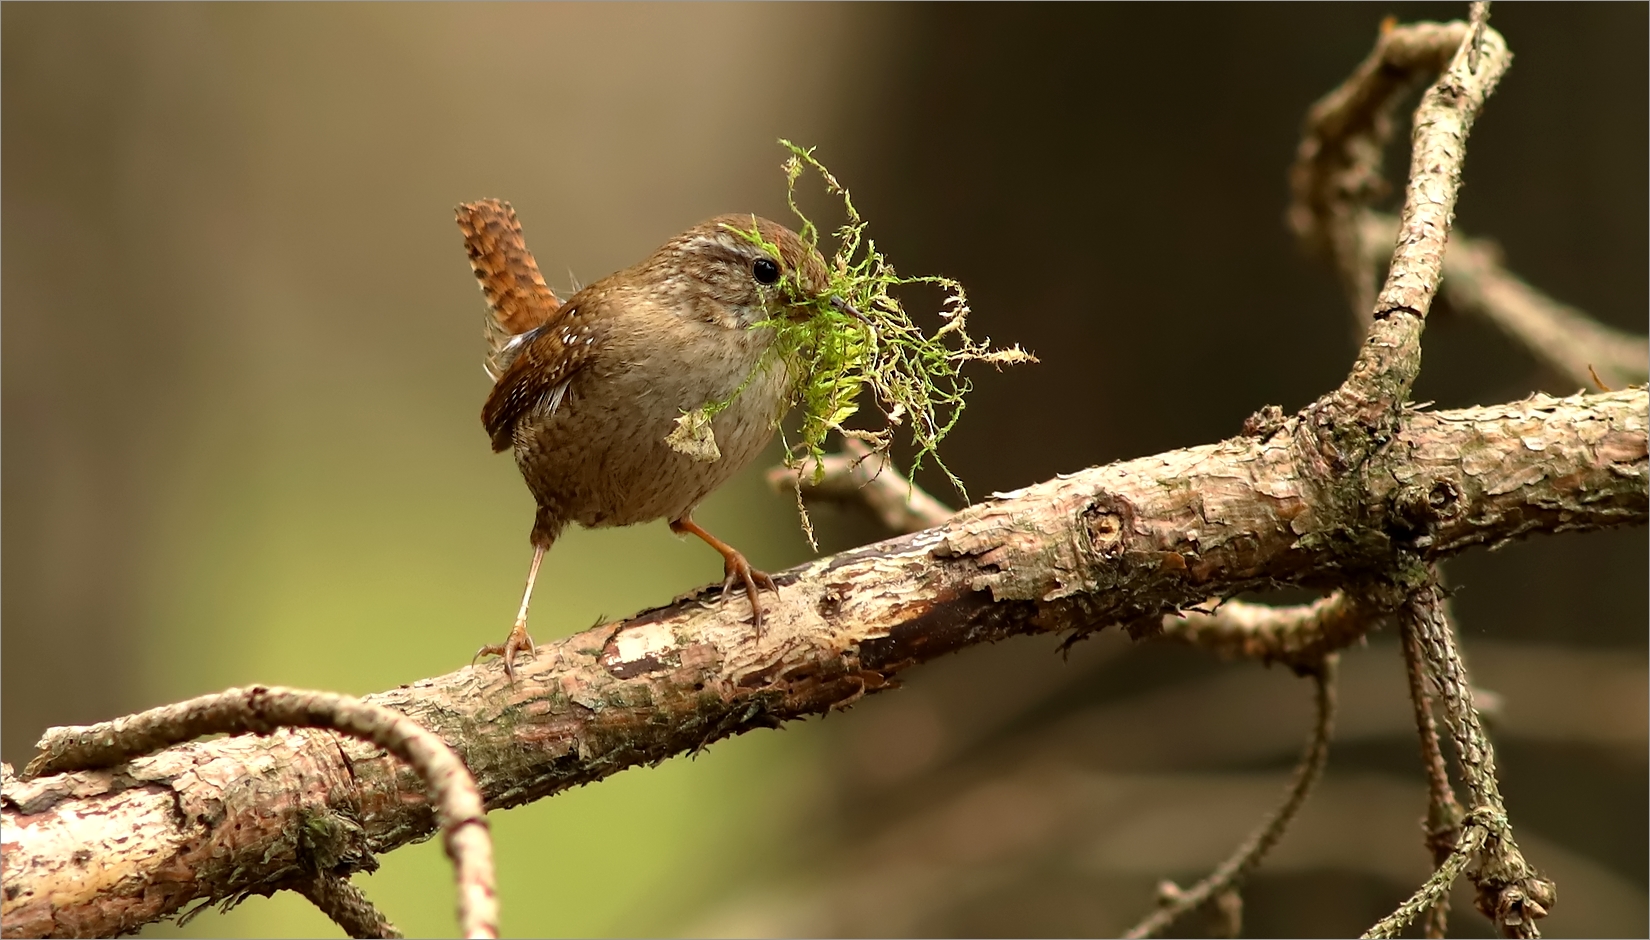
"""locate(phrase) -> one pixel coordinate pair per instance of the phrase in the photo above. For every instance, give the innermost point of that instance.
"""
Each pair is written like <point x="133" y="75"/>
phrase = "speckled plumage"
<point x="587" y="398"/>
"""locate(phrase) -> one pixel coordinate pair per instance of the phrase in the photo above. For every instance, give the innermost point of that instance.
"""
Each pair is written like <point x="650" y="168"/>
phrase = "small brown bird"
<point x="586" y="392"/>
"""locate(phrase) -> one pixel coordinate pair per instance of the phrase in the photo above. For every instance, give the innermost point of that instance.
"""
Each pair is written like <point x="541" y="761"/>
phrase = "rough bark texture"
<point x="259" y="710"/>
<point x="103" y="852"/>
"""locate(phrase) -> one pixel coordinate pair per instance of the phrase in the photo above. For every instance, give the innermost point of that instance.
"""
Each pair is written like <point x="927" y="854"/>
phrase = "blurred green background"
<point x="241" y="365"/>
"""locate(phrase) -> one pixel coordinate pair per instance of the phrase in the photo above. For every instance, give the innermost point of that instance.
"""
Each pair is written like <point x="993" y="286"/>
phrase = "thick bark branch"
<point x="1122" y="543"/>
<point x="52" y="889"/>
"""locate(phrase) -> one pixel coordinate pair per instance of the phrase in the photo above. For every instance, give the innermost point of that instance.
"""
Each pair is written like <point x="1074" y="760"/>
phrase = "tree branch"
<point x="55" y="897"/>
<point x="342" y="901"/>
<point x="1391" y="356"/>
<point x="1124" y="543"/>
<point x="1444" y="813"/>
<point x="866" y="478"/>
<point x="1510" y="893"/>
<point x="1337" y="167"/>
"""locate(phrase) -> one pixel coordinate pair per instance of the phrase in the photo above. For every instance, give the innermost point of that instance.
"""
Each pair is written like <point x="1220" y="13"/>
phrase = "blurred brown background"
<point x="242" y="372"/>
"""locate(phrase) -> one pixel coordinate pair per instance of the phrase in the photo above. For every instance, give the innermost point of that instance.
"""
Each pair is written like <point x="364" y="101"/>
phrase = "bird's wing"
<point x="538" y="366"/>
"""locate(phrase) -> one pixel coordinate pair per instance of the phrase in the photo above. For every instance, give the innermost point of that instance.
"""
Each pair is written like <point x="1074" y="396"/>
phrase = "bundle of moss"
<point x="859" y="336"/>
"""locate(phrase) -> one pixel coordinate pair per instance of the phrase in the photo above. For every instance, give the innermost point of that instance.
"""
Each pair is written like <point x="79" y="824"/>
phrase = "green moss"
<point x="858" y="336"/>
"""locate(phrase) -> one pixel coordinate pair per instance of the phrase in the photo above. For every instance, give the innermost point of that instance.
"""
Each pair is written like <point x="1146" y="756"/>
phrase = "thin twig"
<point x="1391" y="356"/>
<point x="1478" y="16"/>
<point x="1426" y="897"/>
<point x="341" y="900"/>
<point x="263" y="709"/>
<point x="1423" y="617"/>
<point x="1337" y="166"/>
<point x="1444" y="813"/>
<point x="1510" y="893"/>
<point x="858" y="476"/>
<point x="1231" y="872"/>
<point x="1297" y="635"/>
<point x="1562" y="338"/>
<point x="1229" y="913"/>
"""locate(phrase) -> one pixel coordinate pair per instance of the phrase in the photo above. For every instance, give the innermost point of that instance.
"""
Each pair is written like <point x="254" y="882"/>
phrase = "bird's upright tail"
<point x="517" y="297"/>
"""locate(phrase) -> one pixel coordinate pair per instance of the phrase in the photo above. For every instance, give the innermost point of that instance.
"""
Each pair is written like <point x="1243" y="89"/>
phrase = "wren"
<point x="586" y="392"/>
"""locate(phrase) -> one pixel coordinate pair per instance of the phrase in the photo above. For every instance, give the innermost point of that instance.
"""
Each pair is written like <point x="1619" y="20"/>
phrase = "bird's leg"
<point x="734" y="566"/>
<point x="518" y="639"/>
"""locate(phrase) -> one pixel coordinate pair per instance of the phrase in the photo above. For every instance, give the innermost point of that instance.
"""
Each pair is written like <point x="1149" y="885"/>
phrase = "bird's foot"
<point x="739" y="573"/>
<point x="517" y="642"/>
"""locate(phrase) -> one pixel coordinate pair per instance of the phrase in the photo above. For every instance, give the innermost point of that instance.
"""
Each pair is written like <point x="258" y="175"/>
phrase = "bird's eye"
<point x="765" y="271"/>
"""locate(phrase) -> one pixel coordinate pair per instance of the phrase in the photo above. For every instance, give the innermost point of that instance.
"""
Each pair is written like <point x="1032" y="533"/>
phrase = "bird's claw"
<point x="739" y="573"/>
<point x="517" y="642"/>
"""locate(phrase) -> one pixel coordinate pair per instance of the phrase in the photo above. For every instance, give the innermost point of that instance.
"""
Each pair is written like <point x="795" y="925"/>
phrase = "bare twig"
<point x="1226" y="878"/>
<point x="1424" y="619"/>
<point x="1510" y="893"/>
<point x="1337" y="167"/>
<point x="1337" y="172"/>
<point x="341" y="900"/>
<point x="263" y="709"/>
<point x="861" y="477"/>
<point x="1425" y="898"/>
<point x="1478" y="17"/>
<point x="1298" y="635"/>
<point x="1559" y="336"/>
<point x="1391" y="356"/>
<point x="1229" y="910"/>
<point x="1444" y="813"/>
